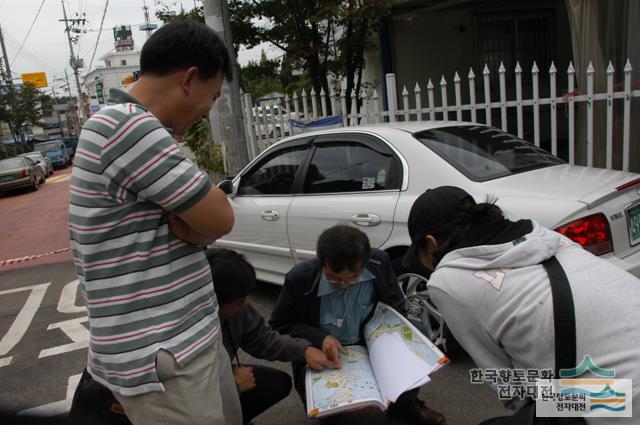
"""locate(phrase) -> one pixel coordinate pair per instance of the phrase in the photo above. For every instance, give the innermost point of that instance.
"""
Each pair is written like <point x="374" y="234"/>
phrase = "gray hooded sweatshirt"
<point x="497" y="302"/>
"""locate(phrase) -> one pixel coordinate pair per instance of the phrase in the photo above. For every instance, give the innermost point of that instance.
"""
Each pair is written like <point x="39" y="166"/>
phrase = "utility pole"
<point x="65" y="87"/>
<point x="76" y="122"/>
<point x="6" y="60"/>
<point x="74" y="60"/>
<point x="226" y="119"/>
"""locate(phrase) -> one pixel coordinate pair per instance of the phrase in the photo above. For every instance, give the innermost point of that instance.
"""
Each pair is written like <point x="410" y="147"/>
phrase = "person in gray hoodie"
<point x="495" y="296"/>
<point x="244" y="328"/>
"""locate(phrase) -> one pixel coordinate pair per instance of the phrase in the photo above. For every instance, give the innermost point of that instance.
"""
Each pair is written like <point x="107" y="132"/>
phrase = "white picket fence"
<point x="268" y="123"/>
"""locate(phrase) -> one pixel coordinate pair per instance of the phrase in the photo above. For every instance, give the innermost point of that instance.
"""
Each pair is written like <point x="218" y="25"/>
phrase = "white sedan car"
<point x="369" y="177"/>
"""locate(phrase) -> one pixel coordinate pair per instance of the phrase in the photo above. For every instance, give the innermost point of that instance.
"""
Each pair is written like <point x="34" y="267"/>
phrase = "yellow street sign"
<point x="37" y="79"/>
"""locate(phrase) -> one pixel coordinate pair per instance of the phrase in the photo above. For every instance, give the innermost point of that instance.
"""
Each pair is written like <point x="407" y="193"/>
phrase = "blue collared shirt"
<point x="356" y="299"/>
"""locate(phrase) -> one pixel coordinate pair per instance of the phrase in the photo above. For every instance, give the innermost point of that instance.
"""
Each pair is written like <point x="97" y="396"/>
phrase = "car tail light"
<point x="628" y="184"/>
<point x="25" y="173"/>
<point x="592" y="232"/>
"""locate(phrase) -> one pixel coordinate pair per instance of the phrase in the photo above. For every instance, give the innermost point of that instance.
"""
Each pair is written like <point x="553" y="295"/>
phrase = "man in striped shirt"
<point x="139" y="213"/>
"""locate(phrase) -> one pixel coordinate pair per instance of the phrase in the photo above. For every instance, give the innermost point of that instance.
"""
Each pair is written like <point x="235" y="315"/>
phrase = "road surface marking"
<point x="57" y="407"/>
<point x="23" y="319"/>
<point x="67" y="303"/>
<point x="75" y="331"/>
<point x="58" y="179"/>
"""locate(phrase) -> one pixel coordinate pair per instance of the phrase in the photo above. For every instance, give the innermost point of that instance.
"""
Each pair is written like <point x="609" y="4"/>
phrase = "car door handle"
<point x="270" y="215"/>
<point x="366" y="220"/>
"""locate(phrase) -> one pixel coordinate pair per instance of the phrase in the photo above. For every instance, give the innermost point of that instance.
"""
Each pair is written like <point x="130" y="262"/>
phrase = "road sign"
<point x="36" y="79"/>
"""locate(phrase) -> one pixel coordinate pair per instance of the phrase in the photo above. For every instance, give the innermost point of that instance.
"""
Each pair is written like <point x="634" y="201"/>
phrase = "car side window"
<point x="350" y="167"/>
<point x="275" y="175"/>
<point x="29" y="161"/>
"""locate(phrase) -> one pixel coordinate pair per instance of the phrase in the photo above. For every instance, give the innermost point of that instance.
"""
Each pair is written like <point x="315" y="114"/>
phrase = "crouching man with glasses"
<point x="328" y="300"/>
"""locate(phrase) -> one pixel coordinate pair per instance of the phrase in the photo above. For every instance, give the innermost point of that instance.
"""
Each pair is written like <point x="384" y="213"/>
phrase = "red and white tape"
<point x="11" y="261"/>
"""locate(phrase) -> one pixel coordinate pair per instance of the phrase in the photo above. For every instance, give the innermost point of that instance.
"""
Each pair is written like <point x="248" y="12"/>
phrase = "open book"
<point x="398" y="358"/>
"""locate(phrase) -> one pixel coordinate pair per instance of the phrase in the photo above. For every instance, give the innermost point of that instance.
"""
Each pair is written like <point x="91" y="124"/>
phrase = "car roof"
<point x="382" y="128"/>
<point x="11" y="159"/>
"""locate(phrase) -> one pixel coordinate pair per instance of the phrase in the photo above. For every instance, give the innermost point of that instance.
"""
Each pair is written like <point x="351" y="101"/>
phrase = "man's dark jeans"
<point x="272" y="385"/>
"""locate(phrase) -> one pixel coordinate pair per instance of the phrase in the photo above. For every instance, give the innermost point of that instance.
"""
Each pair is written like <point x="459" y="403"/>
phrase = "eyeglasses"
<point x="331" y="278"/>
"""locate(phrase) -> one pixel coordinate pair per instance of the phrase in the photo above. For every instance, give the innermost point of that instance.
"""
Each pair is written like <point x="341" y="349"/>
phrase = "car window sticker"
<point x="368" y="183"/>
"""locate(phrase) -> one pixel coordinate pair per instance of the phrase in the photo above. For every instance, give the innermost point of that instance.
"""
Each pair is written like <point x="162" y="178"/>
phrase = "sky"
<point x="46" y="48"/>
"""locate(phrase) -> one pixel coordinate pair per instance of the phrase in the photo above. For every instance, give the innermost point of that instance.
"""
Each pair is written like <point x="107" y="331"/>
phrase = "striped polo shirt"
<point x="145" y="288"/>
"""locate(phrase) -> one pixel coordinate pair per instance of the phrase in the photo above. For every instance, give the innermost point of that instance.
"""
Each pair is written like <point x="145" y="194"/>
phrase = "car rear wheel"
<point x="420" y="307"/>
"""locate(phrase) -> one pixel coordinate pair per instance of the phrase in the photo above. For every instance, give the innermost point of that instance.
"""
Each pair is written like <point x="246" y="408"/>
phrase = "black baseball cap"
<point x="432" y="213"/>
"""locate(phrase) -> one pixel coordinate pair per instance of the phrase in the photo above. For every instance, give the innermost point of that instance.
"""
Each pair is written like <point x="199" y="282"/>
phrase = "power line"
<point x="28" y="32"/>
<point x="131" y="25"/>
<point x="27" y="54"/>
<point x="88" y="51"/>
<point x="104" y="13"/>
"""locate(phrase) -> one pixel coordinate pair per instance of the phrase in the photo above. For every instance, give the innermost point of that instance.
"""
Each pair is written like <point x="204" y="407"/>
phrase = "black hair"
<point x="181" y="44"/>
<point x="477" y="223"/>
<point x="343" y="247"/>
<point x="233" y="276"/>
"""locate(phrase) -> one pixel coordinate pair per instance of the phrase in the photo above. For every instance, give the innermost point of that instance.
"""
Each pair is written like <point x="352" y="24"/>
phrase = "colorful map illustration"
<point x="353" y="381"/>
<point x="387" y="321"/>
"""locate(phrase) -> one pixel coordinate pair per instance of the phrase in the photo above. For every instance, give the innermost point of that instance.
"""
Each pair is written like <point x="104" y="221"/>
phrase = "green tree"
<point x="260" y="78"/>
<point x="320" y="37"/>
<point x="22" y="107"/>
<point x="208" y="154"/>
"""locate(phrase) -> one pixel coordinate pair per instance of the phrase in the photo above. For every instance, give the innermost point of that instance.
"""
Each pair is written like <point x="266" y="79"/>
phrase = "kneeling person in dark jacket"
<point x="329" y="299"/>
<point x="243" y="327"/>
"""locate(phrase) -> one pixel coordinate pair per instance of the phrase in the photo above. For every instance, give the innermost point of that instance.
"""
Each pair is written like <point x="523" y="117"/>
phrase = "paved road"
<point x="44" y="334"/>
<point x="35" y="223"/>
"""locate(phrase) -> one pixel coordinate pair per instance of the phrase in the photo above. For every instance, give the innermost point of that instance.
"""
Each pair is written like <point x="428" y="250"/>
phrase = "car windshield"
<point x="484" y="153"/>
<point x="48" y="147"/>
<point x="11" y="164"/>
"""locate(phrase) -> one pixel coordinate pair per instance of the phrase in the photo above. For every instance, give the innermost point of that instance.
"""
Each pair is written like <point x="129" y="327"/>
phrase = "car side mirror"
<point x="226" y="186"/>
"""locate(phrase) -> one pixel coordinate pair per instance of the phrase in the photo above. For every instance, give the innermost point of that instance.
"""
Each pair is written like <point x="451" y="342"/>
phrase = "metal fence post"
<point x="503" y="97"/>
<point x="536" y="106"/>
<point x="418" y="102"/>
<point x="432" y="108"/>
<point x="487" y="94"/>
<point x="627" y="116"/>
<point x="405" y="103"/>
<point x="554" y="120"/>
<point x="610" y="72"/>
<point x="571" y="72"/>
<point x="392" y="99"/>
<point x="590" y="72"/>
<point x="472" y="95"/>
<point x="456" y="84"/>
<point x="518" y="72"/>
<point x="443" y="91"/>
<point x="314" y="105"/>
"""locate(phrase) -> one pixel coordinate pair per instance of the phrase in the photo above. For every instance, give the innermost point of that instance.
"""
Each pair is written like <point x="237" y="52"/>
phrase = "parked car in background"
<point x="369" y="176"/>
<point x="70" y="143"/>
<point x="41" y="161"/>
<point x="56" y="151"/>
<point x="271" y="119"/>
<point x="20" y="172"/>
